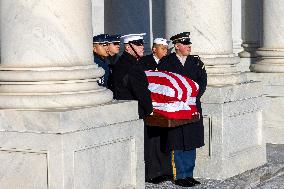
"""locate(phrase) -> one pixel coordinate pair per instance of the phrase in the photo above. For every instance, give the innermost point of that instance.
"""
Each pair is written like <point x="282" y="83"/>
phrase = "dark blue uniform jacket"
<point x="102" y="63"/>
<point x="191" y="135"/>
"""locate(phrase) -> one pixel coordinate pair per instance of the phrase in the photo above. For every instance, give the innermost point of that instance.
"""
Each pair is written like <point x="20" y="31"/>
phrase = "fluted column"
<point x="210" y="24"/>
<point x="271" y="53"/>
<point x="46" y="56"/>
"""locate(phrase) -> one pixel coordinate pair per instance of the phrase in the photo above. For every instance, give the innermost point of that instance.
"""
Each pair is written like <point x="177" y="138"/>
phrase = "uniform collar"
<point x="156" y="59"/>
<point x="182" y="59"/>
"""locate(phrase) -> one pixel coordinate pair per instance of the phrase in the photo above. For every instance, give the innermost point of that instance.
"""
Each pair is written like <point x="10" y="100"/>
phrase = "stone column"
<point x="98" y="16"/>
<point x="231" y="107"/>
<point x="211" y="35"/>
<point x="237" y="26"/>
<point x="58" y="128"/>
<point x="46" y="56"/>
<point x="269" y="68"/>
<point x="251" y="27"/>
<point x="271" y="54"/>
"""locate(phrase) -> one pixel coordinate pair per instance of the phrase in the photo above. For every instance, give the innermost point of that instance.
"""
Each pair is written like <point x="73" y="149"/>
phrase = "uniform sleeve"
<point x="142" y="62"/>
<point x="139" y="85"/>
<point x="202" y="77"/>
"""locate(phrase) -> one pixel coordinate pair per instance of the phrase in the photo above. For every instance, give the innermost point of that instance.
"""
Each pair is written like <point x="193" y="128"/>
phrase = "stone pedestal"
<point x="233" y="131"/>
<point x="270" y="68"/>
<point x="273" y="112"/>
<point x="58" y="128"/>
<point x="231" y="105"/>
<point x="91" y="148"/>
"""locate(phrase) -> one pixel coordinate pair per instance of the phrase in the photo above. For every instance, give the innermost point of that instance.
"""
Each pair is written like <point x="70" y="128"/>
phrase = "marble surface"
<point x="98" y="15"/>
<point x="271" y="52"/>
<point x="46" y="33"/>
<point x="46" y="56"/>
<point x="234" y="139"/>
<point x="273" y="113"/>
<point x="216" y="39"/>
<point x="211" y="36"/>
<point x="82" y="148"/>
<point x="237" y="26"/>
<point x="269" y="175"/>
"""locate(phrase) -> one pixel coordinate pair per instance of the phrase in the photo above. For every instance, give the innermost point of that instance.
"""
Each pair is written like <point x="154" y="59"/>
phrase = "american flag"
<point x="173" y="95"/>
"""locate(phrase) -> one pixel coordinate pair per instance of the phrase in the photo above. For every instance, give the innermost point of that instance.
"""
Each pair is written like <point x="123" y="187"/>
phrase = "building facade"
<point x="58" y="127"/>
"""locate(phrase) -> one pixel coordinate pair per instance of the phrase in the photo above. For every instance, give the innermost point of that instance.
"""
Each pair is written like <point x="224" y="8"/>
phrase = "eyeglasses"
<point x="116" y="43"/>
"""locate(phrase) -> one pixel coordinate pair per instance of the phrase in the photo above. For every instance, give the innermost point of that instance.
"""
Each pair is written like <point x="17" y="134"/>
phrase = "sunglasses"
<point x="116" y="43"/>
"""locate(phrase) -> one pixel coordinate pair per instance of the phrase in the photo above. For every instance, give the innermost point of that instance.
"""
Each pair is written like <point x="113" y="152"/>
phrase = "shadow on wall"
<point x="133" y="16"/>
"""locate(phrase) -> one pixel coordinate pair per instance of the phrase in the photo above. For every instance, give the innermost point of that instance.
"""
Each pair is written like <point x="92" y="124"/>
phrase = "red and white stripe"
<point x="173" y="95"/>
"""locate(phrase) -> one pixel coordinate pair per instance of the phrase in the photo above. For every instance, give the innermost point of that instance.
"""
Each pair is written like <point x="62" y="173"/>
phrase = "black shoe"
<point x="192" y="180"/>
<point x="158" y="179"/>
<point x="184" y="183"/>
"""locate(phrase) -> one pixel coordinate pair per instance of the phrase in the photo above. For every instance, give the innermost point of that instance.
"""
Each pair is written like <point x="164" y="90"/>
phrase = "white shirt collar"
<point x="156" y="59"/>
<point x="182" y="59"/>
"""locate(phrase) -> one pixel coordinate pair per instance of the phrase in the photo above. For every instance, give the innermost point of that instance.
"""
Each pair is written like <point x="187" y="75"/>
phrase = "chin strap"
<point x="138" y="57"/>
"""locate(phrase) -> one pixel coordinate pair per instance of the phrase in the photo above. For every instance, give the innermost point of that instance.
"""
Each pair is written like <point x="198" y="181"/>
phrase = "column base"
<point x="269" y="61"/>
<point x="52" y="87"/>
<point x="245" y="64"/>
<point x="91" y="148"/>
<point x="249" y="50"/>
<point x="233" y="131"/>
<point x="237" y="46"/>
<point x="222" y="70"/>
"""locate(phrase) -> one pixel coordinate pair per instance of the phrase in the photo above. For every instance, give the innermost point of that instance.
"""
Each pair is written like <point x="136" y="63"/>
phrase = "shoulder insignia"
<point x="199" y="61"/>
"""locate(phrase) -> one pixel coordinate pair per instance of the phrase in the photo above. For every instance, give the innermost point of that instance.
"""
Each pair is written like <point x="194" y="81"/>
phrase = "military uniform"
<point x="149" y="63"/>
<point x="130" y="83"/>
<point x="191" y="135"/>
<point x="102" y="63"/>
<point x="183" y="140"/>
<point x="100" y="60"/>
<point x="157" y="158"/>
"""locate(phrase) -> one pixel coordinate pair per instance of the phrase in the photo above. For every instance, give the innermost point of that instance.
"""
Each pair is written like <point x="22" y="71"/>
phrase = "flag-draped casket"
<point x="173" y="95"/>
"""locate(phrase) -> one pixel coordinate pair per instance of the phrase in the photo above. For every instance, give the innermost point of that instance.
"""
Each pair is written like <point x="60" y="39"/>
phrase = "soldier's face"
<point x="101" y="49"/>
<point x="183" y="50"/>
<point x="113" y="48"/>
<point x="160" y="51"/>
<point x="138" y="48"/>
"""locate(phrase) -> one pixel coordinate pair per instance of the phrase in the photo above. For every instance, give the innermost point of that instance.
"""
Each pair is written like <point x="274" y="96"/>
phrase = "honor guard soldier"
<point x="113" y="50"/>
<point x="182" y="141"/>
<point x="129" y="79"/>
<point x="130" y="83"/>
<point x="100" y="50"/>
<point x="159" y="50"/>
<point x="157" y="159"/>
